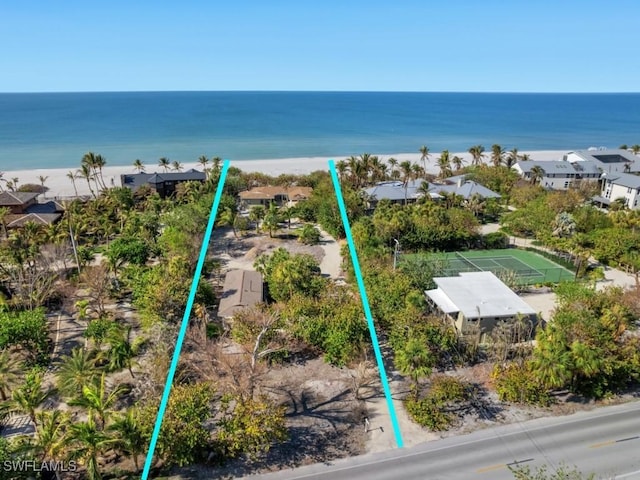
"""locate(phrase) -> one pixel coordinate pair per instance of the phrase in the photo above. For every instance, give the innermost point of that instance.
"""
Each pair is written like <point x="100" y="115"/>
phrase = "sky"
<point x="330" y="45"/>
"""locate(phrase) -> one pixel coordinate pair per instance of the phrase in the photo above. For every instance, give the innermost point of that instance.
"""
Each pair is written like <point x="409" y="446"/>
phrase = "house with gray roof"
<point x="477" y="300"/>
<point x="612" y="160"/>
<point x="463" y="188"/>
<point x="24" y="208"/>
<point x="163" y="183"/>
<point x="559" y="174"/>
<point x="242" y="289"/>
<point x="620" y="185"/>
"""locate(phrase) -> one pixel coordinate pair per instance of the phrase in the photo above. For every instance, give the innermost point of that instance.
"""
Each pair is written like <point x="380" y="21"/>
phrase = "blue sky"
<point x="410" y="45"/>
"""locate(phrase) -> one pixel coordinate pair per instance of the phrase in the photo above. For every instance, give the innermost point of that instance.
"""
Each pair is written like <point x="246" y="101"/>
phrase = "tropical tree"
<point x="9" y="374"/>
<point x="497" y="154"/>
<point x="86" y="173"/>
<point x="256" y="214"/>
<point x="477" y="154"/>
<point x="42" y="179"/>
<point x="129" y="437"/>
<point x="77" y="371"/>
<point x="457" y="162"/>
<point x="204" y="161"/>
<point x="72" y="176"/>
<point x="444" y="163"/>
<point x="86" y="443"/>
<point x="512" y="158"/>
<point x="121" y="349"/>
<point x="407" y="173"/>
<point x="30" y="396"/>
<point x="416" y="360"/>
<point x="635" y="149"/>
<point x="51" y="428"/>
<point x="98" y="401"/>
<point x="228" y="218"/>
<point x="138" y="166"/>
<point x="4" y="212"/>
<point x="393" y="163"/>
<point x="342" y="168"/>
<point x="272" y="218"/>
<point x="424" y="156"/>
<point x="164" y="163"/>
<point x="176" y="166"/>
<point x="537" y="173"/>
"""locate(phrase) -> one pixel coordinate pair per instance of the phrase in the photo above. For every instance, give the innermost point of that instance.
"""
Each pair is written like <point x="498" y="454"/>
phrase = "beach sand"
<point x="60" y="186"/>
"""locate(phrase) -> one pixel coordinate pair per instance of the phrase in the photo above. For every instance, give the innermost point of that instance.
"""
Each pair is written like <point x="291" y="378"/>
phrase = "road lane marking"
<point x="491" y="468"/>
<point x="603" y="444"/>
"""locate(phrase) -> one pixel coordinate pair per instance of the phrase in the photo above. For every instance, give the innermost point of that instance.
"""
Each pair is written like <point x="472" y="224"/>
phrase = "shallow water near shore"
<point x="54" y="130"/>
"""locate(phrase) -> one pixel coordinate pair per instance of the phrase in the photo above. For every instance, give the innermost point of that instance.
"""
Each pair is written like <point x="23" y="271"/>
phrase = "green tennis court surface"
<point x="529" y="267"/>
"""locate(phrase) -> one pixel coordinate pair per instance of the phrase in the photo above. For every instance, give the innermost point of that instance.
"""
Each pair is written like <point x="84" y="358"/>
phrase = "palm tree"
<point x="121" y="350"/>
<point x="406" y="170"/>
<point x="525" y="157"/>
<point x="72" y="176"/>
<point x="86" y="443"/>
<point x="176" y="166"/>
<point x="9" y="374"/>
<point x="444" y="163"/>
<point x="477" y="154"/>
<point x="537" y="173"/>
<point x="30" y="396"/>
<point x="93" y="162"/>
<point x="85" y="172"/>
<point x="342" y="168"/>
<point x="256" y="214"/>
<point x="512" y="157"/>
<point x="393" y="163"/>
<point x="164" y="163"/>
<point x="425" y="190"/>
<point x="271" y="219"/>
<point x="42" y="179"/>
<point x="204" y="161"/>
<point x="4" y="212"/>
<point x="217" y="164"/>
<point x="424" y="156"/>
<point x="476" y="204"/>
<point x="228" y="218"/>
<point x="138" y="166"/>
<point x="457" y="162"/>
<point x="99" y="163"/>
<point x="50" y="434"/>
<point x="635" y="149"/>
<point x="129" y="438"/>
<point x="497" y="154"/>
<point x="415" y="360"/>
<point x="77" y="371"/>
<point x="97" y="401"/>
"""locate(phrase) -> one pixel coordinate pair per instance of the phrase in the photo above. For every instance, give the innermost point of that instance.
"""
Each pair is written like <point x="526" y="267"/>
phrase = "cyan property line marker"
<point x="185" y="321"/>
<point x="365" y="304"/>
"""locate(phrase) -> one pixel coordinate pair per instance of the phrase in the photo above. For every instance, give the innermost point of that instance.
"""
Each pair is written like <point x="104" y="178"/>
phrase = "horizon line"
<point x="495" y="92"/>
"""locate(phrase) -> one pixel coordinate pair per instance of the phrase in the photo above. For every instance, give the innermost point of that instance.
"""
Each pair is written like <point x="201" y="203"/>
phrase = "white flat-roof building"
<point x="477" y="299"/>
<point x="620" y="185"/>
<point x="614" y="160"/>
<point x="559" y="174"/>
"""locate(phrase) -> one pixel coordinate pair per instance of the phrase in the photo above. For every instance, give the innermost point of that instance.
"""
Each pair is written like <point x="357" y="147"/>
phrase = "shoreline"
<point x="61" y="186"/>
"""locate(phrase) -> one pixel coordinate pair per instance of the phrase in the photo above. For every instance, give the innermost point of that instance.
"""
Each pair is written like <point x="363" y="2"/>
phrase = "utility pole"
<point x="395" y="253"/>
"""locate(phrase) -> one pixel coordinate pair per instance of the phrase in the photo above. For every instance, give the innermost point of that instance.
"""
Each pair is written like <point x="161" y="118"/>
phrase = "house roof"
<point x="16" y="198"/>
<point x="477" y="294"/>
<point x="242" y="289"/>
<point x="551" y="166"/>
<point x="610" y="160"/>
<point x="138" y="179"/>
<point x="466" y="190"/>
<point x="270" y="192"/>
<point x="46" y="207"/>
<point x="39" y="218"/>
<point x="623" y="179"/>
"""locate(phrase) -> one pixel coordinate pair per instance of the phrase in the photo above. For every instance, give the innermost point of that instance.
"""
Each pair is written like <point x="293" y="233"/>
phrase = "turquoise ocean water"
<point x="50" y="130"/>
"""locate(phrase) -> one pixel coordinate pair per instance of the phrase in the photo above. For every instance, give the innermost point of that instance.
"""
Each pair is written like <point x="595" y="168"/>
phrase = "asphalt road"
<point x="605" y="441"/>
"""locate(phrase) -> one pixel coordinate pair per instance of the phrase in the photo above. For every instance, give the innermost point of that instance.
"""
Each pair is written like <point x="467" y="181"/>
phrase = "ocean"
<point x="54" y="130"/>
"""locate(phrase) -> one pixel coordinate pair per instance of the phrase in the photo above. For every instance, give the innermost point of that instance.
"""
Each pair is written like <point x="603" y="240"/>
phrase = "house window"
<point x="566" y="184"/>
<point x="629" y="190"/>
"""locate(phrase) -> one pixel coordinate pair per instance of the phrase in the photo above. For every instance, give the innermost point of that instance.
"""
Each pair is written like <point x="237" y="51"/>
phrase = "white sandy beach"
<point x="60" y="186"/>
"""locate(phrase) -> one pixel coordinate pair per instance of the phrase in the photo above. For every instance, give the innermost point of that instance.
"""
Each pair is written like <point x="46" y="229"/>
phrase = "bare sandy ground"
<point x="61" y="186"/>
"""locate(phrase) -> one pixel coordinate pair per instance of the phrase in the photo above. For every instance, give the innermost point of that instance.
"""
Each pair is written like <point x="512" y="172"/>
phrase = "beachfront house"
<point x="558" y="174"/>
<point x="401" y="193"/>
<point x="24" y="208"/>
<point x="477" y="302"/>
<point x="622" y="186"/>
<point x="613" y="160"/>
<point x="163" y="183"/>
<point x="242" y="289"/>
<point x="267" y="195"/>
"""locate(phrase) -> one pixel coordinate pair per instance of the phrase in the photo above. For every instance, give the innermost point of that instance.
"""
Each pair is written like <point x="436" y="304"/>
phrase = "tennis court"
<point x="528" y="267"/>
